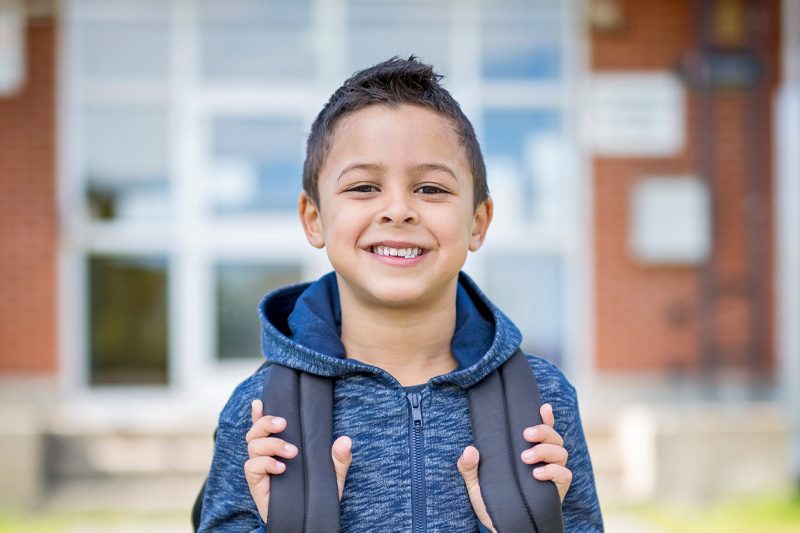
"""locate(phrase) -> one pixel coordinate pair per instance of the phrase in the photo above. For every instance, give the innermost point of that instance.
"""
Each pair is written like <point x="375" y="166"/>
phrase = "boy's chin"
<point x="411" y="295"/>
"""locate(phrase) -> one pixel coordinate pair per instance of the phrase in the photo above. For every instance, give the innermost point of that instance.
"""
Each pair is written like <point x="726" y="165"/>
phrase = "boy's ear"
<point x="480" y="224"/>
<point x="311" y="220"/>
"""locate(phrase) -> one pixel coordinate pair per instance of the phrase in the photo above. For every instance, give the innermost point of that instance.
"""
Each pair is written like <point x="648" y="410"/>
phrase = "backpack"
<point x="305" y="497"/>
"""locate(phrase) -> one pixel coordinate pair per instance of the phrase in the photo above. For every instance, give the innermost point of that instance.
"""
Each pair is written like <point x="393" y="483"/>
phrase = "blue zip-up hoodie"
<point x="406" y="440"/>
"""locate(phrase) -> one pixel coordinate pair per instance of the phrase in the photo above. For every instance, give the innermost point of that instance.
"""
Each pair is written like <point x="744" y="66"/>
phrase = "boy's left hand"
<point x="550" y="449"/>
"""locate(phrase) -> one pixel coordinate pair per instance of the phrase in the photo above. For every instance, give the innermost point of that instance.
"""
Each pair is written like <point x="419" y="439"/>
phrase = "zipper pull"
<point x="416" y="408"/>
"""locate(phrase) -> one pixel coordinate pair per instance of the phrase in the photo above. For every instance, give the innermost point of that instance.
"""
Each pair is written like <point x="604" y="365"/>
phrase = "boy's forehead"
<point x="360" y="132"/>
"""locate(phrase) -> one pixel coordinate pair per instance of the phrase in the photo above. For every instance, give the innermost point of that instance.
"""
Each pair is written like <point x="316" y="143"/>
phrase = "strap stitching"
<point x="511" y="454"/>
<point x="303" y="450"/>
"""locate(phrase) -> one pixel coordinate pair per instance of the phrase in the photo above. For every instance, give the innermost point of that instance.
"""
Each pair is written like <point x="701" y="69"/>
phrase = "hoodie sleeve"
<point x="581" y="508"/>
<point x="227" y="504"/>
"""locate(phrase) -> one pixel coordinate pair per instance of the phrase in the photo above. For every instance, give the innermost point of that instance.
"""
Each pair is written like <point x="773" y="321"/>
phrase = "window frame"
<point x="194" y="371"/>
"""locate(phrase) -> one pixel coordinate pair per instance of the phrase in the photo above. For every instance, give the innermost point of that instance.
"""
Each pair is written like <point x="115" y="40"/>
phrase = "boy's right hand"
<point x="262" y="449"/>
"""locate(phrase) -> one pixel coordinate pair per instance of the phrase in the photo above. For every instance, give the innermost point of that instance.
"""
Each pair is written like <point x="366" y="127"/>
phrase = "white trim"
<point x="787" y="224"/>
<point x="193" y="240"/>
<point x="581" y="350"/>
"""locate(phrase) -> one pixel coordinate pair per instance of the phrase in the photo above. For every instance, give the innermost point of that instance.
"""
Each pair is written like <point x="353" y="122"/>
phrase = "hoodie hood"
<point x="301" y="329"/>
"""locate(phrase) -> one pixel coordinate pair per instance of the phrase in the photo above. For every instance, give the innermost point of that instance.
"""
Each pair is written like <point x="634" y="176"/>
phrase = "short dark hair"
<point x="393" y="82"/>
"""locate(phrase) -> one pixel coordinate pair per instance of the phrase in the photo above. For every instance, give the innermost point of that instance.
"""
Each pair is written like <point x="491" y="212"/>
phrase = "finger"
<point x="256" y="410"/>
<point x="546" y="410"/>
<point x="468" y="466"/>
<point x="271" y="446"/>
<point x="265" y="426"/>
<point x="543" y="433"/>
<point x="257" y="467"/>
<point x="560" y="475"/>
<point x="545" y="453"/>
<point x="342" y="457"/>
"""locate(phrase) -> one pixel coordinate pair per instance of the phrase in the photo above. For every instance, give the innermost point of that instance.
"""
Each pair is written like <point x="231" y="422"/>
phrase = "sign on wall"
<point x="12" y="46"/>
<point x="670" y="220"/>
<point x="636" y="114"/>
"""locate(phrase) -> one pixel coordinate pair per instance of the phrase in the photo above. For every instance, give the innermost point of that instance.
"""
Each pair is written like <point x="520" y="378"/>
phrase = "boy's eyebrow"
<point x="423" y="167"/>
<point x="414" y="169"/>
<point x="360" y="166"/>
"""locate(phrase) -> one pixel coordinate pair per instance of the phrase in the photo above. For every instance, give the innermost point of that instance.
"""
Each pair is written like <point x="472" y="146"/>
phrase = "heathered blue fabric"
<point x="300" y="329"/>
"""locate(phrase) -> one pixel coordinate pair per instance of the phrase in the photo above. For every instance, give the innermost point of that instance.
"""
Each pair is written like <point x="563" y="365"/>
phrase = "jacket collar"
<point x="301" y="328"/>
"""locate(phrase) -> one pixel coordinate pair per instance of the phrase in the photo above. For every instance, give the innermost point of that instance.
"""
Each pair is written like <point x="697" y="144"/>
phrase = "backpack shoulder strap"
<point x="502" y="405"/>
<point x="305" y="497"/>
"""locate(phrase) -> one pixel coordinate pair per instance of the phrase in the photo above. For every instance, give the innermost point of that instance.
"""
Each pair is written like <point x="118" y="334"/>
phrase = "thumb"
<point x="468" y="466"/>
<point x="342" y="457"/>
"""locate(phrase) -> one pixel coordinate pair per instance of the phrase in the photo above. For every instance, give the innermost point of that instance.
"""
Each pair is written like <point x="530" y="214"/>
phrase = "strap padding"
<point x="502" y="405"/>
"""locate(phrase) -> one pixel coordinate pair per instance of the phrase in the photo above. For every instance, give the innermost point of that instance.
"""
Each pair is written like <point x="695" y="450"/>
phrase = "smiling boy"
<point x="395" y="191"/>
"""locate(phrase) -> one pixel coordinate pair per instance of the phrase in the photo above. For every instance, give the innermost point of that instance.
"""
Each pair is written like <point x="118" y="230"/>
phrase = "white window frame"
<point x="198" y="381"/>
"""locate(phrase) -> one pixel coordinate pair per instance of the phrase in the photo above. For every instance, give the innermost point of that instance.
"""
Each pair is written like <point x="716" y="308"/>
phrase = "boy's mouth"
<point x="408" y="253"/>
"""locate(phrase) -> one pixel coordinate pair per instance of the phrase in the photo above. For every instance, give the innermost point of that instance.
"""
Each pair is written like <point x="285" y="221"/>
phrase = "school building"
<point x="643" y="158"/>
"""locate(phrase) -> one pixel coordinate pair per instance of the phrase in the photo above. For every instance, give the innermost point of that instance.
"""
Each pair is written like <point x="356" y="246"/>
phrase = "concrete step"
<point x="144" y="494"/>
<point x="71" y="456"/>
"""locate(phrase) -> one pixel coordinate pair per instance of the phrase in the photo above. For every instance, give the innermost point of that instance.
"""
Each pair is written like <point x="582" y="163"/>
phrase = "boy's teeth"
<point x="397" y="252"/>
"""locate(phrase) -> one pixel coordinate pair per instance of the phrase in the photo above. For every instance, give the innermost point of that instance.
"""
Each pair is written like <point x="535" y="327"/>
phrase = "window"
<point x="240" y="288"/>
<point x="128" y="320"/>
<point x="257" y="164"/>
<point x="185" y="125"/>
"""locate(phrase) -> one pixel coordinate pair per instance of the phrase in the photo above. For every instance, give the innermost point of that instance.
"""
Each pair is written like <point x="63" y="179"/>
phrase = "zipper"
<point x="417" y="444"/>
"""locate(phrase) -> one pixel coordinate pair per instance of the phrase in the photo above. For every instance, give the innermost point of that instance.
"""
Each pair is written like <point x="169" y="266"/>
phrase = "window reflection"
<point x="125" y="49"/>
<point x="515" y="142"/>
<point x="521" y="39"/>
<point x="126" y="160"/>
<point x="379" y="30"/>
<point x="128" y="315"/>
<point x="240" y="287"/>
<point x="534" y="301"/>
<point x="265" y="40"/>
<point x="257" y="164"/>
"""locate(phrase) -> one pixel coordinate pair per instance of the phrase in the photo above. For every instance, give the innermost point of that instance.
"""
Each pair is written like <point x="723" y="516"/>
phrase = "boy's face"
<point x="396" y="179"/>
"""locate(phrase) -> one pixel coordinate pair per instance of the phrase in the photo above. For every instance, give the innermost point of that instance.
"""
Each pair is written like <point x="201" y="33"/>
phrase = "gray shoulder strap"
<point x="305" y="497"/>
<point x="501" y="406"/>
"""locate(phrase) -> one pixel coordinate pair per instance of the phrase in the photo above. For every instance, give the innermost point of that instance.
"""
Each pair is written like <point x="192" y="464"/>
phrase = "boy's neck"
<point x="411" y="345"/>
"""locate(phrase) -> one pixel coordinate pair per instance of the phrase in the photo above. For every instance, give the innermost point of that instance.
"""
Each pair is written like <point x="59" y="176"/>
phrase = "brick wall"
<point x="665" y="318"/>
<point x="28" y="214"/>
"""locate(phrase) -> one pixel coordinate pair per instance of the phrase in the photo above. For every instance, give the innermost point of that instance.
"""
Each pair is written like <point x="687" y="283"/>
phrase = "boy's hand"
<point x="550" y="449"/>
<point x="263" y="448"/>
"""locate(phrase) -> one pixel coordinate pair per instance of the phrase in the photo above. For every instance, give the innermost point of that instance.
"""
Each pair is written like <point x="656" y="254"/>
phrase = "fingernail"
<point x="277" y="422"/>
<point x="288" y="448"/>
<point x="538" y="472"/>
<point x="527" y="456"/>
<point x="280" y="466"/>
<point x="530" y="433"/>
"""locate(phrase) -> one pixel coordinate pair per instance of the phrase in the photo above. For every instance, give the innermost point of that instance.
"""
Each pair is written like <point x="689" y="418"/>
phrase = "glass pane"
<point x="516" y="144"/>
<point x="521" y="39"/>
<point x="259" y="40"/>
<point x="128" y="320"/>
<point x="127" y="41"/>
<point x="257" y="164"/>
<point x="530" y="290"/>
<point x="380" y="30"/>
<point x="126" y="158"/>
<point x="240" y="288"/>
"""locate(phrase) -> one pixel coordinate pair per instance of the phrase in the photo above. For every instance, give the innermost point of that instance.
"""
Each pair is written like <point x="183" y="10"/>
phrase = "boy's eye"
<point x="363" y="188"/>
<point x="431" y="189"/>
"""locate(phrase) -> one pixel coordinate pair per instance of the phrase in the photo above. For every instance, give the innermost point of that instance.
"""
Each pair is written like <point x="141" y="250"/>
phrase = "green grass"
<point x="13" y="522"/>
<point x="767" y="514"/>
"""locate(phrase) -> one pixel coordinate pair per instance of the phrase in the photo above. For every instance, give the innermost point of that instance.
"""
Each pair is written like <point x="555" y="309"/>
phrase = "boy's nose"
<point x="398" y="210"/>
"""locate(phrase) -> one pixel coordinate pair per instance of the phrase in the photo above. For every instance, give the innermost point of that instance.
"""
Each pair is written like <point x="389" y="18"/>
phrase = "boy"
<point x="394" y="187"/>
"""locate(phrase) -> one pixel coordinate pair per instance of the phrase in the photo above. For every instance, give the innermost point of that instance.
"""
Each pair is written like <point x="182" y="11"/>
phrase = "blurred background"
<point x="644" y="158"/>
